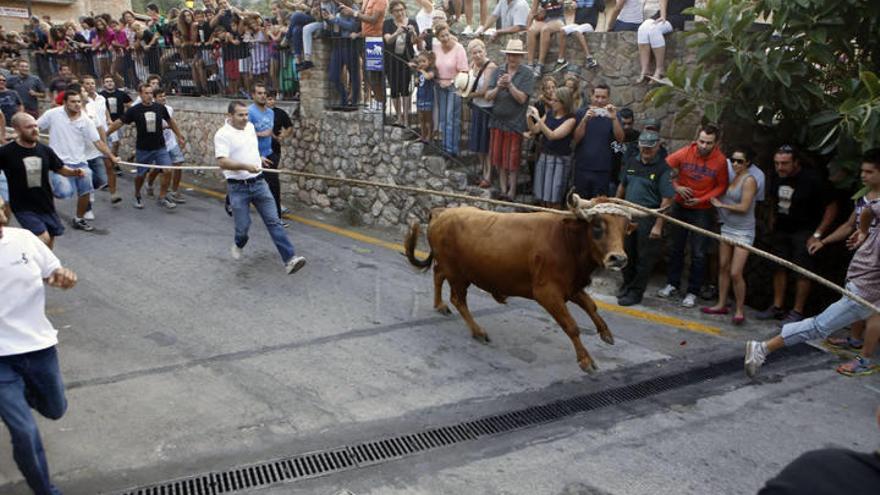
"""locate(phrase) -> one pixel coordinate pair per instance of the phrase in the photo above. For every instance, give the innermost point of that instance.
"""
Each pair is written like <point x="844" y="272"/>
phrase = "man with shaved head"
<point x="26" y="163"/>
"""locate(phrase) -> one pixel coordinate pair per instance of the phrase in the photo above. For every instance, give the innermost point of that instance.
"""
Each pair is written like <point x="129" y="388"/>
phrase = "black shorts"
<point x="792" y="246"/>
<point x="587" y="15"/>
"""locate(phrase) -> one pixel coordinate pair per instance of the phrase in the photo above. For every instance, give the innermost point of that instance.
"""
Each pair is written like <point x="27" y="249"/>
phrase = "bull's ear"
<point x="632" y="226"/>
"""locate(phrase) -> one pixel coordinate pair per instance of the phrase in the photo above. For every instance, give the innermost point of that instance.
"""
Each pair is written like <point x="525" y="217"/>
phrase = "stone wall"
<point x="354" y="145"/>
<point x="358" y="145"/>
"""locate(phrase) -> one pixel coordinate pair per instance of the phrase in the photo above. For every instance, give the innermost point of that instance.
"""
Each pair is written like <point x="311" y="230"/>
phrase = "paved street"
<point x="179" y="360"/>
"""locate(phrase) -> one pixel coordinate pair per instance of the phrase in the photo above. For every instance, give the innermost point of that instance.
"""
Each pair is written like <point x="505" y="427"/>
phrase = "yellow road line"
<point x="671" y="321"/>
<point x="661" y="319"/>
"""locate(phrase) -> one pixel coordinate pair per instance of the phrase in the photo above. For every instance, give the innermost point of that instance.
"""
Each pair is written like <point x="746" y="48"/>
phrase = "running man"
<point x="174" y="152"/>
<point x="70" y="132"/>
<point x="118" y="102"/>
<point x="27" y="163"/>
<point x="238" y="154"/>
<point x="147" y="117"/>
<point x="102" y="170"/>
<point x="29" y="373"/>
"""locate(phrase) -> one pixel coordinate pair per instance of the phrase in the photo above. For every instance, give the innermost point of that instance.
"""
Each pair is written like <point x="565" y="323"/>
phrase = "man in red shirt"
<point x="699" y="173"/>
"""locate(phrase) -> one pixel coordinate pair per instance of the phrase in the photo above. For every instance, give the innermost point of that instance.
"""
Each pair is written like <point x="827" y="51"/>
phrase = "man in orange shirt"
<point x="699" y="173"/>
<point x="371" y="15"/>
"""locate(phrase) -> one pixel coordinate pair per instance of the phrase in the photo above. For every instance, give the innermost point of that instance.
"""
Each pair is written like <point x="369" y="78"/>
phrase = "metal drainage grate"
<point x="255" y="476"/>
<point x="331" y="461"/>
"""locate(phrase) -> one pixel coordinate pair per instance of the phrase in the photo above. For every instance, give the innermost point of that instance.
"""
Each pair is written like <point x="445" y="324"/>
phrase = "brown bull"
<point x="542" y="256"/>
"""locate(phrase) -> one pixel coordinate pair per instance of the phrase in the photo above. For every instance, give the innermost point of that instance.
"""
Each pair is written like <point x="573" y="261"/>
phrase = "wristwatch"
<point x="817" y="235"/>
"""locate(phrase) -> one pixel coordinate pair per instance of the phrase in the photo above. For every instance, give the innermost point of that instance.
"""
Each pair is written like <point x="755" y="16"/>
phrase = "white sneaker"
<point x="689" y="301"/>
<point x="755" y="357"/>
<point x="89" y="215"/>
<point x="468" y="31"/>
<point x="236" y="252"/>
<point x="667" y="292"/>
<point x="295" y="264"/>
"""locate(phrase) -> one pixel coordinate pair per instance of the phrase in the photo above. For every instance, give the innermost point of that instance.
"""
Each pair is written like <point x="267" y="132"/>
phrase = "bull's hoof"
<point x="588" y="366"/>
<point x="481" y="338"/>
<point x="607" y="337"/>
<point x="444" y="310"/>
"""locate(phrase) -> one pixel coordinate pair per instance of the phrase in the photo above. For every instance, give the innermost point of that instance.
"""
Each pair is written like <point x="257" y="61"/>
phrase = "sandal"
<point x="713" y="311"/>
<point x="857" y="367"/>
<point x="844" y="343"/>
<point x="738" y="320"/>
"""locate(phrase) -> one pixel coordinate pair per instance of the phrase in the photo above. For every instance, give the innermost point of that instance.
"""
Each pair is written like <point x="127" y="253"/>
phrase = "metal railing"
<point x="202" y="69"/>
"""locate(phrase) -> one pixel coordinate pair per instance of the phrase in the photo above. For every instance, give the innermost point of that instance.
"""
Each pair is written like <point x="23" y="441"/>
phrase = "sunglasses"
<point x="785" y="148"/>
<point x="737" y="160"/>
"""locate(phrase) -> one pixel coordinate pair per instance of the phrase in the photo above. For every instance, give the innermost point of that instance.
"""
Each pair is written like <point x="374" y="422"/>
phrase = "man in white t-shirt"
<point x="236" y="149"/>
<point x="29" y="371"/>
<point x="69" y="133"/>
<point x="102" y="171"/>
<point x="514" y="15"/>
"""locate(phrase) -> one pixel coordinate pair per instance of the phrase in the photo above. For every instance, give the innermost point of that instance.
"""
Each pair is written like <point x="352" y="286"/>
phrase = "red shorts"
<point x="230" y="68"/>
<point x="505" y="149"/>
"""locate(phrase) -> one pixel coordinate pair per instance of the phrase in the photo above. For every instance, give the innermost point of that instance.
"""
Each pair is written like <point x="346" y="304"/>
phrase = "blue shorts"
<point x="154" y="157"/>
<point x="176" y="155"/>
<point x="99" y="172"/>
<point x="4" y="187"/>
<point x="38" y="223"/>
<point x="68" y="187"/>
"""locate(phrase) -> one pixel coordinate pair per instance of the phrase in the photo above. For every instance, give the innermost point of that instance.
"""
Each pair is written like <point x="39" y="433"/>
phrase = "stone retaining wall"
<point x="357" y="145"/>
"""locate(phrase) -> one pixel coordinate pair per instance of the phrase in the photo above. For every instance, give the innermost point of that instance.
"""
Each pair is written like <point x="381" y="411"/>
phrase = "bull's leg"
<point x="586" y="302"/>
<point x="554" y="303"/>
<point x="439" y="305"/>
<point x="459" y="300"/>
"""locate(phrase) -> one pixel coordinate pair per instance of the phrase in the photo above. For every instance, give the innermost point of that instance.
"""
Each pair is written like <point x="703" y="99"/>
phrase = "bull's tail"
<point x="409" y="245"/>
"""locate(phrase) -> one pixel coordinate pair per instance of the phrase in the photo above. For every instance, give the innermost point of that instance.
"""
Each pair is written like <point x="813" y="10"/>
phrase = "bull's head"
<point x="609" y="223"/>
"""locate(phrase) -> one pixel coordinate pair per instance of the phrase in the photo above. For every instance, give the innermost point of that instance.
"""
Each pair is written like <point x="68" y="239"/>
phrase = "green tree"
<point x="804" y="71"/>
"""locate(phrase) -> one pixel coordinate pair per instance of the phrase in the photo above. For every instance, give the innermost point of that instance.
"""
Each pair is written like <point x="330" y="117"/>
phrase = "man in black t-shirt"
<point x="26" y="163"/>
<point x="147" y="116"/>
<point x="59" y="84"/>
<point x="281" y="129"/>
<point x="804" y="211"/>
<point x="118" y="102"/>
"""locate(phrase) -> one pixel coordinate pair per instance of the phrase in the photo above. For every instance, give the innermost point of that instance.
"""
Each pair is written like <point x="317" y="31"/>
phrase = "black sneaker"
<point x="771" y="313"/>
<point x="81" y="224"/>
<point x="631" y="298"/>
<point x="591" y="63"/>
<point x="560" y="65"/>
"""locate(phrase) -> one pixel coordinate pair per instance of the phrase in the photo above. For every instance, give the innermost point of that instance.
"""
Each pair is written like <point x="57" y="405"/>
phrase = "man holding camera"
<point x="597" y="128"/>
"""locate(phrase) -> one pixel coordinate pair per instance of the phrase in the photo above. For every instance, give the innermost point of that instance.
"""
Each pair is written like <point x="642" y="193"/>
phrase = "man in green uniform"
<point x="644" y="180"/>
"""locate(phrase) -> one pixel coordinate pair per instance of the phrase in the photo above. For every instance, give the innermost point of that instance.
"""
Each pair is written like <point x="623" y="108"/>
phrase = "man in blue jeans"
<point x="29" y="372"/>
<point x="238" y="154"/>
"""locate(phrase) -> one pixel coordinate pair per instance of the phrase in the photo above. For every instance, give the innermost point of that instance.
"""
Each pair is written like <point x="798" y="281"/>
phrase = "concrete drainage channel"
<point x="330" y="461"/>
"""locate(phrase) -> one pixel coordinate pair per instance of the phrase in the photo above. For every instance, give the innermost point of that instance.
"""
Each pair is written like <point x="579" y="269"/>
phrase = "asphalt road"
<point x="180" y="360"/>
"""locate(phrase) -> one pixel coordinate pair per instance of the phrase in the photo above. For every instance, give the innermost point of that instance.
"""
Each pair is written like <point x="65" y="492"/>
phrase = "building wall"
<point x="62" y="10"/>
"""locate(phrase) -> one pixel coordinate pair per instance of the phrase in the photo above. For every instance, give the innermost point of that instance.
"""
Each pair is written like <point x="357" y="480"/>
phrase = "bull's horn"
<point x="572" y="199"/>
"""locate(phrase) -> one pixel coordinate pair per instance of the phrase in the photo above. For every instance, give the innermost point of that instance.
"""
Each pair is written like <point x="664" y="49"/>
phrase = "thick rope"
<point x="467" y="198"/>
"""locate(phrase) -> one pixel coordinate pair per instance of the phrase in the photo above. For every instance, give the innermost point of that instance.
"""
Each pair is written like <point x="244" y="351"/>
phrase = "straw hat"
<point x="464" y="83"/>
<point x="514" y="47"/>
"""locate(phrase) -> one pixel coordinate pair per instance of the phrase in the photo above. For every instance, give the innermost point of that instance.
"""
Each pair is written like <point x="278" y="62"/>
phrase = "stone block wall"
<point x="354" y="145"/>
<point x="358" y="145"/>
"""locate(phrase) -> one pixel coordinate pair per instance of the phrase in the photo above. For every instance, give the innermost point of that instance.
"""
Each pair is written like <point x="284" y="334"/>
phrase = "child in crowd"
<point x="573" y="83"/>
<point x="424" y="65"/>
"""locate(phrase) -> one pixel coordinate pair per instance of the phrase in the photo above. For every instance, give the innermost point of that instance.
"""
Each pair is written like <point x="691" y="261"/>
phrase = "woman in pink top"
<point x="450" y="60"/>
<point x="101" y="44"/>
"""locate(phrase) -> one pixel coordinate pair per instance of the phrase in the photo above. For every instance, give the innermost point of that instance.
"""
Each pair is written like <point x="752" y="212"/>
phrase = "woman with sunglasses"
<point x="736" y="212"/>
